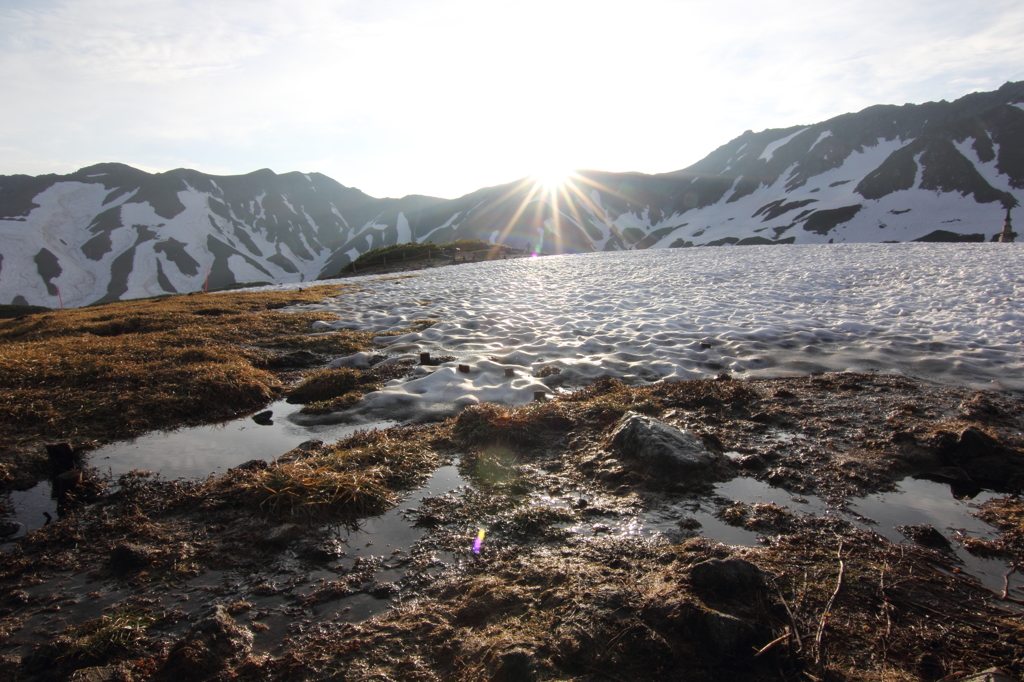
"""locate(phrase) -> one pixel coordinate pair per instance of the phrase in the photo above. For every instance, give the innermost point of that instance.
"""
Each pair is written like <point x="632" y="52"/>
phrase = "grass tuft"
<point x="315" y="491"/>
<point x="107" y="638"/>
<point x="324" y="384"/>
<point x="356" y="477"/>
<point x="488" y="424"/>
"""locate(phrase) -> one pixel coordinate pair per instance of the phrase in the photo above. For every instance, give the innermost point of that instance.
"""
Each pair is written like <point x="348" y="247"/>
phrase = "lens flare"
<point x="479" y="542"/>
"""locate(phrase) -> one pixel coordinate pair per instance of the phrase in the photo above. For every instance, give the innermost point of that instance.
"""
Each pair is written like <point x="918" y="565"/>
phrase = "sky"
<point x="443" y="97"/>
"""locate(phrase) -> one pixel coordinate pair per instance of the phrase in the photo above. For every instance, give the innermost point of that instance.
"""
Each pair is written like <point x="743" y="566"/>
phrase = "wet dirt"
<point x="814" y="459"/>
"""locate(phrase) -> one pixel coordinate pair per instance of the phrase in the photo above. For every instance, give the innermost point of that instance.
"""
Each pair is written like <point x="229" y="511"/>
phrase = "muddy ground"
<point x="244" y="576"/>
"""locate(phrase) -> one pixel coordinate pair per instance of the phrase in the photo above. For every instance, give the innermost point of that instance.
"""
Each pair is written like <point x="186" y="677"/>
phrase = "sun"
<point x="552" y="177"/>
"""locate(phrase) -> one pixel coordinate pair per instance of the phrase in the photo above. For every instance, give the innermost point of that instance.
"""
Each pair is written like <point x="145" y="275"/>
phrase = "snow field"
<point x="951" y="313"/>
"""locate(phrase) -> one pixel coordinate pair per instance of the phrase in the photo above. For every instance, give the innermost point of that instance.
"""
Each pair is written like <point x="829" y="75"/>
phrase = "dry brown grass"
<point x="355" y="478"/>
<point x="324" y="384"/>
<point x="327" y="390"/>
<point x="121" y="369"/>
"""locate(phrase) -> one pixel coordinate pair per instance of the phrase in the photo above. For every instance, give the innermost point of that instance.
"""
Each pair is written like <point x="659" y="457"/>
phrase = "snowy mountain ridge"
<point x="887" y="173"/>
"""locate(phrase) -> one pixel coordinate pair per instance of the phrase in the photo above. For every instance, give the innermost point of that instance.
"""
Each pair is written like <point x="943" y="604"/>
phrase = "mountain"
<point x="935" y="171"/>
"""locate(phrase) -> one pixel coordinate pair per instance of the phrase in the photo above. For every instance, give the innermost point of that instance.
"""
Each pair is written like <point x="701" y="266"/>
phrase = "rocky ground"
<point x="244" y="576"/>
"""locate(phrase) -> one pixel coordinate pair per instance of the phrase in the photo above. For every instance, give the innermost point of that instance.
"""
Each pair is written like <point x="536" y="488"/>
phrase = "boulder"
<point x="972" y="442"/>
<point x="735" y="579"/>
<point x="212" y="645"/>
<point x="665" y="450"/>
<point x="983" y="460"/>
<point x="729" y="635"/>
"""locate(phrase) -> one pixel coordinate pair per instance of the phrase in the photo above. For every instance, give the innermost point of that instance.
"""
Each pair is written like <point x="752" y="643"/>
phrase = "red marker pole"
<point x="60" y="298"/>
<point x="206" y="285"/>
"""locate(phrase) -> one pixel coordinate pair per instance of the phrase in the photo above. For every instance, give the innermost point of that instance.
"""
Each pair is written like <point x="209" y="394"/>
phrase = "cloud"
<point x="444" y="96"/>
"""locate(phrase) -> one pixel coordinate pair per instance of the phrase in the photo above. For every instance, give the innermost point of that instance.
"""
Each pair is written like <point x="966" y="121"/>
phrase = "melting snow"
<point x="945" y="312"/>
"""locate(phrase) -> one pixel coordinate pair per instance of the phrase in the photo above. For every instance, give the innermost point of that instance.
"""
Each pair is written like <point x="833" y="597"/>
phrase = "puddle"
<point x="199" y="451"/>
<point x="919" y="501"/>
<point x="30" y="509"/>
<point x="914" y="502"/>
<point x="194" y="452"/>
<point x="382" y="535"/>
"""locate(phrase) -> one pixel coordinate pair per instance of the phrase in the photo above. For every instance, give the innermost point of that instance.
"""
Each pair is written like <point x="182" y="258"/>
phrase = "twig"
<point x="885" y="603"/>
<point x="1006" y="581"/>
<point x="770" y="644"/>
<point x="792" y="620"/>
<point x="828" y="609"/>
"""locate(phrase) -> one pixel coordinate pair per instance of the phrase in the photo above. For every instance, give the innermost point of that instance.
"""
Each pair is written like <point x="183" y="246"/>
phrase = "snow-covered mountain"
<point x="887" y="173"/>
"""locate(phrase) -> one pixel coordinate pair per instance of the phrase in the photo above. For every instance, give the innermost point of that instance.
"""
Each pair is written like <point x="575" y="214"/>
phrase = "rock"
<point x="300" y="359"/>
<point x="265" y="418"/>
<point x="9" y="528"/>
<point x="664" y="449"/>
<point x="753" y="463"/>
<point x="63" y="458"/>
<point x="253" y="465"/>
<point x="925" y="535"/>
<point x="212" y="645"/>
<point x="728" y="634"/>
<point x="128" y="556"/>
<point x="973" y="442"/>
<point x="984" y="460"/>
<point x="359" y="360"/>
<point x="735" y="579"/>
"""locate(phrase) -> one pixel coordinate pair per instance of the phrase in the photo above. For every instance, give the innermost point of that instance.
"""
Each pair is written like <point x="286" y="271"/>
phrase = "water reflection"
<point x="199" y="451"/>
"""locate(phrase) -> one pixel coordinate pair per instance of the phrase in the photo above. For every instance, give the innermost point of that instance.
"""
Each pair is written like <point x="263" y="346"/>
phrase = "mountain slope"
<point x="887" y="173"/>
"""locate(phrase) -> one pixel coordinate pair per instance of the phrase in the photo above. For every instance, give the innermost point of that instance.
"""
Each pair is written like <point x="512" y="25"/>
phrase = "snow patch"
<point x="769" y="151"/>
<point x="826" y="134"/>
<point x="404" y="233"/>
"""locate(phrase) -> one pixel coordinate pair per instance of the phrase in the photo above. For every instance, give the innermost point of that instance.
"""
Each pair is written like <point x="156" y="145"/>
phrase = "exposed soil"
<point x="124" y="587"/>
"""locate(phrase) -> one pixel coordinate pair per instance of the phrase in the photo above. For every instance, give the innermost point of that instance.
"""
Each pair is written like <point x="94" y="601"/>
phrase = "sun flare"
<point x="551" y="178"/>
